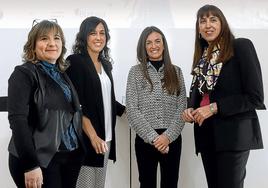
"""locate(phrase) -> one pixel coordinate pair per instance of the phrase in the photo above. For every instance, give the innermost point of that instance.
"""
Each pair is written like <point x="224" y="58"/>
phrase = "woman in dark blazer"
<point x="226" y="89"/>
<point x="90" y="72"/>
<point x="44" y="114"/>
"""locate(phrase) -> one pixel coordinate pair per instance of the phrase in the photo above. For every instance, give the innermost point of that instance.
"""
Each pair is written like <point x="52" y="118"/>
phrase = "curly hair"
<point x="86" y="27"/>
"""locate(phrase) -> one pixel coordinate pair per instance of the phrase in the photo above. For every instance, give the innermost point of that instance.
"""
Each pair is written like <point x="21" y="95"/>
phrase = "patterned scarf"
<point x="206" y="73"/>
<point x="69" y="137"/>
<point x="53" y="71"/>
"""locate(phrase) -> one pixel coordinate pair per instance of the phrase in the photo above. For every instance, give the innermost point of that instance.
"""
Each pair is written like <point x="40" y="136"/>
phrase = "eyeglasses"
<point x="37" y="21"/>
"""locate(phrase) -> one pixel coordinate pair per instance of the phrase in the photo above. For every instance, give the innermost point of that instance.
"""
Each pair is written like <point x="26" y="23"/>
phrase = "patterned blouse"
<point x="149" y="110"/>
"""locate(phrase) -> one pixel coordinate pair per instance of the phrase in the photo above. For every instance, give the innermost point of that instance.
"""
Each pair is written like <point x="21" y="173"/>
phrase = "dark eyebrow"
<point x="213" y="16"/>
<point x="203" y="18"/>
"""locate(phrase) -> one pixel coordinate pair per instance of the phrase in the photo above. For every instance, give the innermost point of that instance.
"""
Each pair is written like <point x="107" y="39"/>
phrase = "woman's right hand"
<point x="33" y="178"/>
<point x="99" y="145"/>
<point x="187" y="115"/>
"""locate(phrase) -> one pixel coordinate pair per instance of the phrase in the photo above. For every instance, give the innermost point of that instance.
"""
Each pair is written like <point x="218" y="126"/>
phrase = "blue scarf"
<point x="53" y="71"/>
<point x="69" y="137"/>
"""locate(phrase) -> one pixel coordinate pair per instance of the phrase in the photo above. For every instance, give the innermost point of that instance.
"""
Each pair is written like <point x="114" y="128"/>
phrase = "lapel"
<point x="95" y="87"/>
<point x="74" y="94"/>
<point x="94" y="75"/>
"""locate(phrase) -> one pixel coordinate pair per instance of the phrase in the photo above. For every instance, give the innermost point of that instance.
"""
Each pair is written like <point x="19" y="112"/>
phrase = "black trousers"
<point x="62" y="171"/>
<point x="225" y="169"/>
<point x="148" y="158"/>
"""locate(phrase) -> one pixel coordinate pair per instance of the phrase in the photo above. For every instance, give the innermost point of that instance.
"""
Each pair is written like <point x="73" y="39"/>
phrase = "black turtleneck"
<point x="157" y="64"/>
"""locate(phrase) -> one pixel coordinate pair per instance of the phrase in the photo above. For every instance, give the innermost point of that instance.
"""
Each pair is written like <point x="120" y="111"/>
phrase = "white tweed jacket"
<point x="149" y="110"/>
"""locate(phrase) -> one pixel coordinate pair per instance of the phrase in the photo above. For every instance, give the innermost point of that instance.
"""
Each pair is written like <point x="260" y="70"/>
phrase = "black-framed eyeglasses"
<point x="37" y="21"/>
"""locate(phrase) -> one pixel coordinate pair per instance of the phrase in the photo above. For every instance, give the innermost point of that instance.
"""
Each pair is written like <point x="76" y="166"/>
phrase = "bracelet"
<point x="211" y="108"/>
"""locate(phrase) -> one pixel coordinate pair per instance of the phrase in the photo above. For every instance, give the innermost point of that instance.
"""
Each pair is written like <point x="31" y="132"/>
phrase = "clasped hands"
<point x="161" y="143"/>
<point x="198" y="115"/>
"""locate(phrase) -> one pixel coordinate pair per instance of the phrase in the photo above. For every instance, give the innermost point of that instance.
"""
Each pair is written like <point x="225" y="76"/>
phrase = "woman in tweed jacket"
<point x="155" y="100"/>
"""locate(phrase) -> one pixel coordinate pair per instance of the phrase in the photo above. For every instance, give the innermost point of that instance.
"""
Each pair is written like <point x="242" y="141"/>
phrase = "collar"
<point x="49" y="66"/>
<point x="149" y="64"/>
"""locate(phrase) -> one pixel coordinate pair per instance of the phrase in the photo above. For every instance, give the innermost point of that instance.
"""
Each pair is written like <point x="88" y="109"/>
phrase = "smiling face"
<point x="209" y="27"/>
<point x="154" y="46"/>
<point x="48" y="47"/>
<point x="96" y="40"/>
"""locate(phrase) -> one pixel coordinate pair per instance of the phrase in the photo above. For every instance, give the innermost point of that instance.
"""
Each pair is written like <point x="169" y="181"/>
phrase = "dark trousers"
<point x="148" y="158"/>
<point x="225" y="169"/>
<point x="62" y="171"/>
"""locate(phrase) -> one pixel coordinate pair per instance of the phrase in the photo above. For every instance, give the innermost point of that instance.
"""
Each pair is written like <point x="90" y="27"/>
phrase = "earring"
<point x="200" y="36"/>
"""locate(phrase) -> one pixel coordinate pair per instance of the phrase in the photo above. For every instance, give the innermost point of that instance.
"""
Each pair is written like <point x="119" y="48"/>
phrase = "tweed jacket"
<point x="238" y="92"/>
<point x="150" y="110"/>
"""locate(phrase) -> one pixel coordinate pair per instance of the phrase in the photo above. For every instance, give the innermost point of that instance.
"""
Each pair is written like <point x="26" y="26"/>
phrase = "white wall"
<point x="123" y="45"/>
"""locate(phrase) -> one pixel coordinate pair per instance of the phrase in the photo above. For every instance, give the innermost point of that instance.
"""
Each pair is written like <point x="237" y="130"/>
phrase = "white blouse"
<point x="106" y="98"/>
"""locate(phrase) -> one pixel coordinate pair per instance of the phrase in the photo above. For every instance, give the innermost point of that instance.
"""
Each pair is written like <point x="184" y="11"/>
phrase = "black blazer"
<point x="87" y="83"/>
<point x="38" y="114"/>
<point x="238" y="92"/>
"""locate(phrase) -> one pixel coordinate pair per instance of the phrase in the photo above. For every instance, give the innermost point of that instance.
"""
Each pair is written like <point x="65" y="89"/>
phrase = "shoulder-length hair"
<point x="170" y="80"/>
<point x="86" y="27"/>
<point x="224" y="40"/>
<point x="40" y="29"/>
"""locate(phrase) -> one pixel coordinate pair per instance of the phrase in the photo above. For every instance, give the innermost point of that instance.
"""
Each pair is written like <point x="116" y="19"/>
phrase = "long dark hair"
<point x="170" y="81"/>
<point x="86" y="27"/>
<point x="225" y="38"/>
<point x="38" y="30"/>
